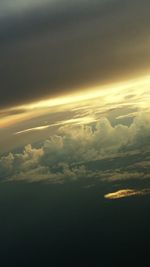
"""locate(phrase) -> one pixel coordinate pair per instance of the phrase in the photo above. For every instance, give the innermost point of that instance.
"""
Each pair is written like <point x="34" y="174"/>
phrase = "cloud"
<point x="127" y="193"/>
<point x="122" y="175"/>
<point x="67" y="155"/>
<point x="6" y="113"/>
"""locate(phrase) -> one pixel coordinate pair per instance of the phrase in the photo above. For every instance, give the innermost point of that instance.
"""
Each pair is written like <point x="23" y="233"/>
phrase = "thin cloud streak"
<point x="123" y="193"/>
<point x="76" y="121"/>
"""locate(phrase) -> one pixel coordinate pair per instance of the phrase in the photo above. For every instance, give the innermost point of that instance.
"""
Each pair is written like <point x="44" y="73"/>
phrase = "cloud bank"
<point x="67" y="155"/>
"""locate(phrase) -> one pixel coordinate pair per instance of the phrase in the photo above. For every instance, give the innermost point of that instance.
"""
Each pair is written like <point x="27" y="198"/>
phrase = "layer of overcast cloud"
<point x="51" y="47"/>
<point x="69" y="154"/>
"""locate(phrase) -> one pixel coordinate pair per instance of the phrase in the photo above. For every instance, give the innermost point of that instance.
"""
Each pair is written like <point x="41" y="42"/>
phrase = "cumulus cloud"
<point x="66" y="155"/>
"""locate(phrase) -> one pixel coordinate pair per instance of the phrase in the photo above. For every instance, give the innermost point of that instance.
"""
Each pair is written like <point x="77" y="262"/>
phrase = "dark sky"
<point x="52" y="47"/>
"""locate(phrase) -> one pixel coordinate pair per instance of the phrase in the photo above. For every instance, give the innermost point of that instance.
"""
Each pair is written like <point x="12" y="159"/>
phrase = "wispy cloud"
<point x="75" y="121"/>
<point x="39" y="128"/>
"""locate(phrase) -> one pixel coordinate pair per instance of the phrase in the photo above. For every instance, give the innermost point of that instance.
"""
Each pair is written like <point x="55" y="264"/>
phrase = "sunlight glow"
<point x="90" y="93"/>
<point x="114" y="94"/>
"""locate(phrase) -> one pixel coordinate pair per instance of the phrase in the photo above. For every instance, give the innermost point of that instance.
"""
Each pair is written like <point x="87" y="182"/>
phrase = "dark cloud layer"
<point x="57" y="46"/>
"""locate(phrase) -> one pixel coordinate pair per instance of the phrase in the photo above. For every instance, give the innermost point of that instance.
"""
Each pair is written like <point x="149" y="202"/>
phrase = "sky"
<point x="74" y="132"/>
<point x="62" y="139"/>
<point x="52" y="48"/>
<point x="75" y="89"/>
